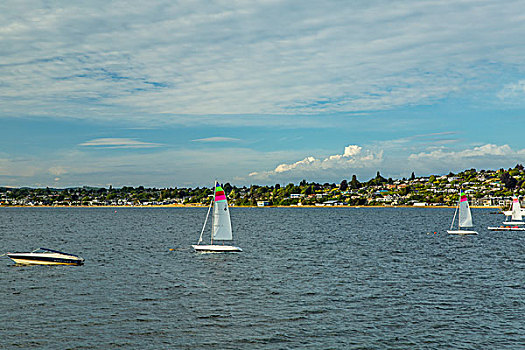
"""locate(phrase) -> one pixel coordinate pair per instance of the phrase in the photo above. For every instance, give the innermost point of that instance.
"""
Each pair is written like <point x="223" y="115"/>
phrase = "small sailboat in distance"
<point x="516" y="216"/>
<point x="221" y="227"/>
<point x="465" y="218"/>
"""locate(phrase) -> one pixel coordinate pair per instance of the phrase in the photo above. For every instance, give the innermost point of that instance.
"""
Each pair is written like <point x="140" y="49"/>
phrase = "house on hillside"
<point x="333" y="203"/>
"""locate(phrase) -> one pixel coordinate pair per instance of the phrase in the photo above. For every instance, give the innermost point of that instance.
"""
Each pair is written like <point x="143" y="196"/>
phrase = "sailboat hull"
<point x="506" y="228"/>
<point x="215" y="248"/>
<point x="462" y="232"/>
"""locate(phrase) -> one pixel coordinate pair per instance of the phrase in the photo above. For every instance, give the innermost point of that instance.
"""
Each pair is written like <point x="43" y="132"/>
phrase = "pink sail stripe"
<point x="515" y="200"/>
<point x="463" y="198"/>
<point x="220" y="198"/>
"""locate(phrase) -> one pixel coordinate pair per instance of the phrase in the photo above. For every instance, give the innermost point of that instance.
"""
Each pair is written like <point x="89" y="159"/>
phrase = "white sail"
<point x="465" y="218"/>
<point x="222" y="227"/>
<point x="516" y="210"/>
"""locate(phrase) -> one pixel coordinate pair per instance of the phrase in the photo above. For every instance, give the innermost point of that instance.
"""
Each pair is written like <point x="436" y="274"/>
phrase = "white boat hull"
<point x="513" y="223"/>
<point x="506" y="228"/>
<point x="462" y="232"/>
<point x="215" y="248"/>
<point x="45" y="259"/>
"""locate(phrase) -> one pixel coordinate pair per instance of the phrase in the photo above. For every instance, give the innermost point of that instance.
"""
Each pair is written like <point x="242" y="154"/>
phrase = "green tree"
<point x="507" y="180"/>
<point x="308" y="190"/>
<point x="354" y="183"/>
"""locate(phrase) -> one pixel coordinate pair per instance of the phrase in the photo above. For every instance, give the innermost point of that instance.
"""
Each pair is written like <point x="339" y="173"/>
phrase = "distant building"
<point x="333" y="203"/>
<point x="263" y="203"/>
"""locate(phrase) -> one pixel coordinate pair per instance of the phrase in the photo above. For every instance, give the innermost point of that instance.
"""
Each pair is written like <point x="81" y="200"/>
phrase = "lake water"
<point x="312" y="278"/>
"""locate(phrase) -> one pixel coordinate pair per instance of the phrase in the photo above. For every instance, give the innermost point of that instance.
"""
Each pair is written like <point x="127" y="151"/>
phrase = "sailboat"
<point x="516" y="217"/>
<point x="465" y="218"/>
<point x="221" y="227"/>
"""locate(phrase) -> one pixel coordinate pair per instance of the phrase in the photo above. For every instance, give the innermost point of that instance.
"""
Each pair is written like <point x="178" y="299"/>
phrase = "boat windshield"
<point x="41" y="250"/>
<point x="47" y="250"/>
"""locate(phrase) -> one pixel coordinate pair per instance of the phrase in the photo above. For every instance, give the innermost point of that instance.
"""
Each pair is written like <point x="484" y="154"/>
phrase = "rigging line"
<point x="454" y="218"/>
<point x="205" y="221"/>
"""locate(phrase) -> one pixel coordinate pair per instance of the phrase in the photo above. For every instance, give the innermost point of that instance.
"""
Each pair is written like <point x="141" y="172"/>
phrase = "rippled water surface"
<point x="313" y="278"/>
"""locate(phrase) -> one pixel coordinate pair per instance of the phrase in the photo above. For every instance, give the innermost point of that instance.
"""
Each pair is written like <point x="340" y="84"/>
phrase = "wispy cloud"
<point x="253" y="58"/>
<point x="513" y="92"/>
<point x="57" y="170"/>
<point x="488" y="150"/>
<point x="488" y="156"/>
<point x="217" y="139"/>
<point x="158" y="168"/>
<point x="17" y="168"/>
<point x="119" y="143"/>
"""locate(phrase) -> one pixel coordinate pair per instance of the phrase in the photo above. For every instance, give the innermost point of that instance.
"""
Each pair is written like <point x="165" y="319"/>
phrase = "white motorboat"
<point x="45" y="256"/>
<point x="465" y="217"/>
<point x="221" y="227"/>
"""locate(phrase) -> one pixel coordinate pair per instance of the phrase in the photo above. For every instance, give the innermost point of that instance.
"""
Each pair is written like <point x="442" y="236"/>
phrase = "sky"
<point x="181" y="93"/>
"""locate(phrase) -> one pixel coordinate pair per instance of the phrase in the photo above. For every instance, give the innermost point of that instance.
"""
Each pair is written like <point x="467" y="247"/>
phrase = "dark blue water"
<point x="307" y="279"/>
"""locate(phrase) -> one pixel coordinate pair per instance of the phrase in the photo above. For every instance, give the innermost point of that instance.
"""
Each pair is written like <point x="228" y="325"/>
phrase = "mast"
<point x="213" y="216"/>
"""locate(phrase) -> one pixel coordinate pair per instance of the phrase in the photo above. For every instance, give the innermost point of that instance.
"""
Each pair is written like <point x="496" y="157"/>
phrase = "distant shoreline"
<point x="274" y="206"/>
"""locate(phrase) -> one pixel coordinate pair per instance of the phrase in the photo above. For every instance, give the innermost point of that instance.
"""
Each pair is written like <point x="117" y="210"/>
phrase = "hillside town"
<point x="484" y="188"/>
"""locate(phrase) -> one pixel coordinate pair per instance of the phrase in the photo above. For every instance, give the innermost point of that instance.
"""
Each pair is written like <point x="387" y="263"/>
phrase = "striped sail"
<point x="516" y="209"/>
<point x="222" y="227"/>
<point x="465" y="218"/>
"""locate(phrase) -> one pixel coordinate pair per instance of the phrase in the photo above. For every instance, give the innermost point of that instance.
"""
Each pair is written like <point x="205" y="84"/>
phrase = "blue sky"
<point x="179" y="93"/>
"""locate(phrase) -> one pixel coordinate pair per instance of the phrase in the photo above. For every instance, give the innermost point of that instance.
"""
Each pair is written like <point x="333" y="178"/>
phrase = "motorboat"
<point x="45" y="256"/>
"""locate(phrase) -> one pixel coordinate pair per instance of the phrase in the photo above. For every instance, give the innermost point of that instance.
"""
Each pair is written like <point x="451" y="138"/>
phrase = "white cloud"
<point x="217" y="139"/>
<point x="489" y="156"/>
<point x="393" y="163"/>
<point x="342" y="165"/>
<point x="350" y="151"/>
<point x="118" y="143"/>
<point x="302" y="164"/>
<point x="476" y="152"/>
